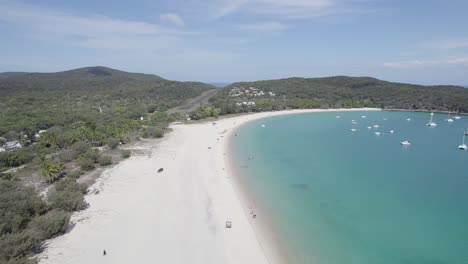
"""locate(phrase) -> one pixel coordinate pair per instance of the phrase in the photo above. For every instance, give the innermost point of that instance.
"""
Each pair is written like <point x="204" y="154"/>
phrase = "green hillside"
<point x="340" y="91"/>
<point x="35" y="101"/>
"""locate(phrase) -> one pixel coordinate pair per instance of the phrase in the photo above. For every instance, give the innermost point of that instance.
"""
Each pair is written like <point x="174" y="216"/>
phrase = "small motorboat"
<point x="392" y="131"/>
<point x="376" y="126"/>
<point x="405" y="143"/>
<point x="408" y="119"/>
<point x="353" y="130"/>
<point x="377" y="133"/>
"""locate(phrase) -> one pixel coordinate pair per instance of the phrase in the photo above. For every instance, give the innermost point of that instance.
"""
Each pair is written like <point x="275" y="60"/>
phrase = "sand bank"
<point x="178" y="216"/>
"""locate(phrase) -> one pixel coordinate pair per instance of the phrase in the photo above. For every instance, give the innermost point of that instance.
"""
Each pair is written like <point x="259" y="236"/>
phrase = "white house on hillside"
<point x="12" y="145"/>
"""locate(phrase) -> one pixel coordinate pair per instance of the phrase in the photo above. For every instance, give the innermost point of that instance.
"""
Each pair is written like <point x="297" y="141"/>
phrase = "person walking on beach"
<point x="104" y="252"/>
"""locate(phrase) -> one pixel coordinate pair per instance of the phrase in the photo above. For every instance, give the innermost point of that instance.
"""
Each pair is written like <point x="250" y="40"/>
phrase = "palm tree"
<point x="49" y="170"/>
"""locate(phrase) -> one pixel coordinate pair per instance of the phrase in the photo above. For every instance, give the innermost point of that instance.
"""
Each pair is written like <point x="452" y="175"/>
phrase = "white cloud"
<point x="172" y="19"/>
<point x="446" y="44"/>
<point x="89" y="31"/>
<point x="292" y="8"/>
<point x="226" y="7"/>
<point x="282" y="9"/>
<point x="263" y="27"/>
<point x="425" y="63"/>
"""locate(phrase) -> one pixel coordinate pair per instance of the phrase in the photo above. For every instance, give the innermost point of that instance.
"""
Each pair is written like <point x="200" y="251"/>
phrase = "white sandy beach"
<point x="178" y="216"/>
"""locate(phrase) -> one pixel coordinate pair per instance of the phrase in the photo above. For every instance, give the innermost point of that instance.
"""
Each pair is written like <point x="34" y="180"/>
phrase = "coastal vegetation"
<point x="64" y="125"/>
<point x="337" y="92"/>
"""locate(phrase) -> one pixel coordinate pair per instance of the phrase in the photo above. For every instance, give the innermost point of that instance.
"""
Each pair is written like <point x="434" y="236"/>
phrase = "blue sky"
<point x="416" y="41"/>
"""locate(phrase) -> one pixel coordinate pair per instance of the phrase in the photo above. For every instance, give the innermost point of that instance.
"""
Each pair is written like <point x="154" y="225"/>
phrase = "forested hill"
<point x="97" y="79"/>
<point x="35" y="101"/>
<point x="339" y="91"/>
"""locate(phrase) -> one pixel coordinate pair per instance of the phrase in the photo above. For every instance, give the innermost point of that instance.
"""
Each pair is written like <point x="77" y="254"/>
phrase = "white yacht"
<point x="405" y="143"/>
<point x="377" y="133"/>
<point x="369" y="127"/>
<point x="363" y="116"/>
<point x="408" y="119"/>
<point x="449" y="119"/>
<point x="376" y="126"/>
<point x="392" y="131"/>
<point x="457" y="117"/>
<point x="353" y="130"/>
<point x="431" y="123"/>
<point x="463" y="145"/>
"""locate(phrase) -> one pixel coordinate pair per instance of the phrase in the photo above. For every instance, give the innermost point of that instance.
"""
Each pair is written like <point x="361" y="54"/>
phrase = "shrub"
<point x="7" y="176"/>
<point x="153" y="132"/>
<point x="67" y="200"/>
<point x="17" y="206"/>
<point x="68" y="155"/>
<point x="125" y="153"/>
<point x="112" y="143"/>
<point x="51" y="224"/>
<point x="18" y="245"/>
<point x="105" y="160"/>
<point x="16" y="158"/>
<point x="81" y="147"/>
<point x="70" y="185"/>
<point x="92" y="154"/>
<point x="86" y="164"/>
<point x="75" y="174"/>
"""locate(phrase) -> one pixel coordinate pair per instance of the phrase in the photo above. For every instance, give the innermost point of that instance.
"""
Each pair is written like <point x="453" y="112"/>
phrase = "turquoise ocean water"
<point x="342" y="197"/>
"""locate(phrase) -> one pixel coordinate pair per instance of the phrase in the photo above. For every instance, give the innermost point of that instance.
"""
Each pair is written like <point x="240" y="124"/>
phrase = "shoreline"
<point x="179" y="215"/>
<point x="264" y="227"/>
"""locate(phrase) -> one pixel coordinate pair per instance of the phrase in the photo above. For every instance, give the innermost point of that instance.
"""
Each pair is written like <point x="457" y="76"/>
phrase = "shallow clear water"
<point x="339" y="197"/>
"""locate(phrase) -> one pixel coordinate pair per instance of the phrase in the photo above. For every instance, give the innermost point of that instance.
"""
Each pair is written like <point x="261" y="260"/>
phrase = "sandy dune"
<point x="178" y="216"/>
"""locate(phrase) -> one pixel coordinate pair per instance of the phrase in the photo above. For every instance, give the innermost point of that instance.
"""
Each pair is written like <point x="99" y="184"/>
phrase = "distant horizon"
<point x="221" y="84"/>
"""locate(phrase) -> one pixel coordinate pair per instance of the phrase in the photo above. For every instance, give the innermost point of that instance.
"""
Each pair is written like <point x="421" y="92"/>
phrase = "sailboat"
<point x="463" y="145"/>
<point x="449" y="119"/>
<point x="431" y="123"/>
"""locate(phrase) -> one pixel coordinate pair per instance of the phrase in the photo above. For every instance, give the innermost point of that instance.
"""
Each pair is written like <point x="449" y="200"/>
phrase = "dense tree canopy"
<point x="341" y="91"/>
